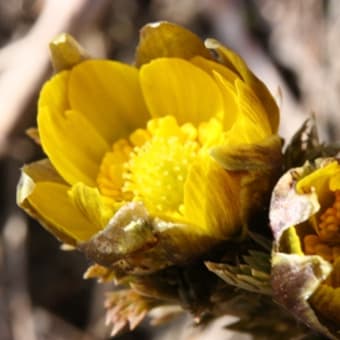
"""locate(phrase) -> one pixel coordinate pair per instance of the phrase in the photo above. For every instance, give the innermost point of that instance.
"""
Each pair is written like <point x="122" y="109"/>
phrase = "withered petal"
<point x="284" y="197"/>
<point x="294" y="280"/>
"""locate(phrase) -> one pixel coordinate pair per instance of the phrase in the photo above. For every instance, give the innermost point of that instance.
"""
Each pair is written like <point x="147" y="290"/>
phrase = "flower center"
<point x="327" y="245"/>
<point x="151" y="166"/>
<point x="326" y="241"/>
<point x="156" y="172"/>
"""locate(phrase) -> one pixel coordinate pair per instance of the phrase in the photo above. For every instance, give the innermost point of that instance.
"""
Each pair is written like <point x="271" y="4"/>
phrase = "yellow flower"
<point x="305" y="217"/>
<point x="155" y="163"/>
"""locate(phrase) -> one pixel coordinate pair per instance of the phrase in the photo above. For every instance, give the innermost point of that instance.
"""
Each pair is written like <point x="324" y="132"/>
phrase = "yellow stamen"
<point x="324" y="251"/>
<point x="157" y="170"/>
<point x="326" y="241"/>
<point x="110" y="177"/>
<point x="152" y="166"/>
<point x="310" y="242"/>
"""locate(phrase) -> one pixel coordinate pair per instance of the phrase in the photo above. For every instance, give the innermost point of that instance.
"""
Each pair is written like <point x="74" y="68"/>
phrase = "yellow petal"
<point x="89" y="201"/>
<point x="53" y="204"/>
<point x="320" y="180"/>
<point x="164" y="39"/>
<point x="35" y="172"/>
<point x="54" y="94"/>
<point x="231" y="108"/>
<point x="222" y="75"/>
<point x="108" y="94"/>
<point x="334" y="182"/>
<point x="212" y="66"/>
<point x="177" y="88"/>
<point x="291" y="242"/>
<point x="42" y="171"/>
<point x="69" y="140"/>
<point x="326" y="300"/>
<point x="211" y="199"/>
<point x="44" y="195"/>
<point x="236" y="63"/>
<point x="72" y="144"/>
<point x="251" y="124"/>
<point x="210" y="133"/>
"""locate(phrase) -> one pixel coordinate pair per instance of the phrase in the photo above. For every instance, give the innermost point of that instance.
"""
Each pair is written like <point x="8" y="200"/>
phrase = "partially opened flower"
<point x="152" y="165"/>
<point x="305" y="217"/>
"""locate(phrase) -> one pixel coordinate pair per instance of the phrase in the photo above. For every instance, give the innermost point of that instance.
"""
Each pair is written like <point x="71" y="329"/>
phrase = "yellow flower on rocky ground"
<point x="305" y="216"/>
<point x="153" y="164"/>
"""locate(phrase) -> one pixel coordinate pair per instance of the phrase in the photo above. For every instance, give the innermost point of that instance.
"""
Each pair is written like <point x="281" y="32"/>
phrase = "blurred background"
<point x="292" y="45"/>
